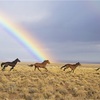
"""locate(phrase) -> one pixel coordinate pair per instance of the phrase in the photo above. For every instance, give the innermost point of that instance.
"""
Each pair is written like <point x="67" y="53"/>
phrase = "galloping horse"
<point x="40" y="65"/>
<point x="12" y="64"/>
<point x="72" y="66"/>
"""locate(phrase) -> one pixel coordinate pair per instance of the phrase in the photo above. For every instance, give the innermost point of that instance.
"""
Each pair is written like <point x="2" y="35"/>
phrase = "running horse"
<point x="72" y="66"/>
<point x="12" y="64"/>
<point x="40" y="65"/>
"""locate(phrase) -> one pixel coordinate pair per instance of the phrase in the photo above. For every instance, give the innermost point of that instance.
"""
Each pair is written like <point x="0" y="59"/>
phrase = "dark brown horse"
<point x="72" y="66"/>
<point x="40" y="65"/>
<point x="12" y="64"/>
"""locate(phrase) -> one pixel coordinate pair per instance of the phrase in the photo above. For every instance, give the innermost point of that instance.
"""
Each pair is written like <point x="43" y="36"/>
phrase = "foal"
<point x="12" y="64"/>
<point x="72" y="66"/>
<point x="40" y="65"/>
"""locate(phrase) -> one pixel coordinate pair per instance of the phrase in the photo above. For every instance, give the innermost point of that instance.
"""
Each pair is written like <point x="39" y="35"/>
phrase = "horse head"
<point x="47" y="61"/>
<point x="78" y="64"/>
<point x="18" y="60"/>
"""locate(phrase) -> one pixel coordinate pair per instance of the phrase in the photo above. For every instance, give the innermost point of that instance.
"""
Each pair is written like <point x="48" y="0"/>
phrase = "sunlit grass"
<point x="23" y="83"/>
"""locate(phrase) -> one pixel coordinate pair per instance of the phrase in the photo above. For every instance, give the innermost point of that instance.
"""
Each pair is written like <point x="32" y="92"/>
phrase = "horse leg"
<point x="46" y="69"/>
<point x="63" y="66"/>
<point x="64" y="69"/>
<point x="38" y="69"/>
<point x="35" y="68"/>
<point x="11" y="68"/>
<point x="73" y="70"/>
<point x="4" y="67"/>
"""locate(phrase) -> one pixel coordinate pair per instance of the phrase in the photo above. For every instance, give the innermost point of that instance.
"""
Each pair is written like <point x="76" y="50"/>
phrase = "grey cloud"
<point x="69" y="29"/>
<point x="68" y="21"/>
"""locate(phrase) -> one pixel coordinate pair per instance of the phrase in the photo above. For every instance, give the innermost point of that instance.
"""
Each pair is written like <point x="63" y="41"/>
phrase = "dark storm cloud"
<point x="68" y="21"/>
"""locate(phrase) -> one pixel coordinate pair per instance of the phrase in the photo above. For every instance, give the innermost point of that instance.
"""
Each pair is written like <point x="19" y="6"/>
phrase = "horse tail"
<point x="63" y="66"/>
<point x="31" y="65"/>
<point x="2" y="64"/>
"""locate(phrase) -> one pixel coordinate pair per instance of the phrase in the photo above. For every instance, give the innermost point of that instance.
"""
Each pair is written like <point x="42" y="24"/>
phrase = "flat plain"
<point x="23" y="83"/>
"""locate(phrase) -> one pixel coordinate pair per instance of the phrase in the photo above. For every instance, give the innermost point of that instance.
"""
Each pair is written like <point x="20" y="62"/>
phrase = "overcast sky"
<point x="69" y="30"/>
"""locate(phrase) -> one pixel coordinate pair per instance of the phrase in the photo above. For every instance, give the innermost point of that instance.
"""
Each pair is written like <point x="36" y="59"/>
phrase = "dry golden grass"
<point x="23" y="83"/>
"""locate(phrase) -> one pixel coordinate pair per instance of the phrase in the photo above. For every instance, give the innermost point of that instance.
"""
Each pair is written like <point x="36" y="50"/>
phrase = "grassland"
<point x="23" y="83"/>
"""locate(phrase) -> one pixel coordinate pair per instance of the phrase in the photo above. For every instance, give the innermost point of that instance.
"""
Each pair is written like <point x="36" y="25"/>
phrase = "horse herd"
<point x="39" y="65"/>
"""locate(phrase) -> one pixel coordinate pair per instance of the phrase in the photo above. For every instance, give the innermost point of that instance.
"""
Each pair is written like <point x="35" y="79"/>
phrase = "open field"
<point x="23" y="83"/>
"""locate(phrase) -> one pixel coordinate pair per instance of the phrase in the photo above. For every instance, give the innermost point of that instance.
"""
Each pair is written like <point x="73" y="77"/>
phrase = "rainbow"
<point x="31" y="44"/>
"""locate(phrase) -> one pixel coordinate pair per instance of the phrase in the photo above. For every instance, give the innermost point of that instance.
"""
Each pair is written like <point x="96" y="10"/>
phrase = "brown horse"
<point x="12" y="64"/>
<point x="72" y="66"/>
<point x="40" y="65"/>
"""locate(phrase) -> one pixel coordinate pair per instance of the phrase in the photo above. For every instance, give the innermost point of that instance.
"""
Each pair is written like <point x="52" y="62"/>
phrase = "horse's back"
<point x="67" y="65"/>
<point x="41" y="65"/>
<point x="37" y="64"/>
